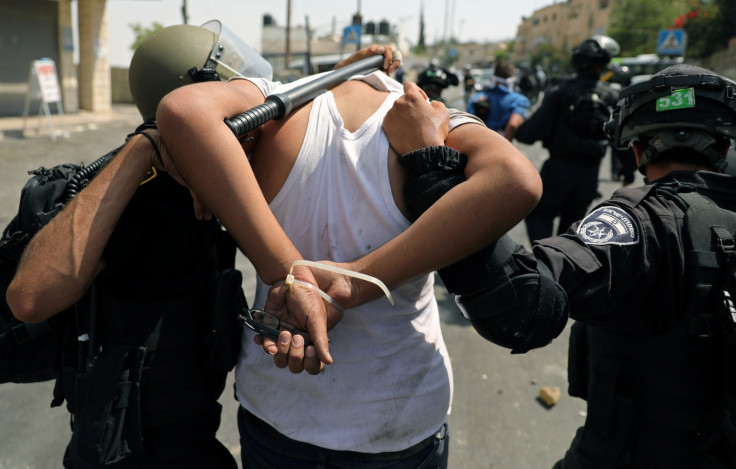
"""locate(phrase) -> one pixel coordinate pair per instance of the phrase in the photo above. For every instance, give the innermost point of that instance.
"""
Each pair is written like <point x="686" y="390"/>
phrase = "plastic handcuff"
<point x="290" y="280"/>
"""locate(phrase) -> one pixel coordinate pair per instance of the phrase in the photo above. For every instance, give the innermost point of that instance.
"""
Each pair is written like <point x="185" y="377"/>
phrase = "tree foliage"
<point x="635" y="24"/>
<point x="421" y="47"/>
<point x="709" y="24"/>
<point x="550" y="57"/>
<point x="141" y="32"/>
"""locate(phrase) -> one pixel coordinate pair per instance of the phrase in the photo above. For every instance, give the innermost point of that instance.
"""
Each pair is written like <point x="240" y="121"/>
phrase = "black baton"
<point x="279" y="105"/>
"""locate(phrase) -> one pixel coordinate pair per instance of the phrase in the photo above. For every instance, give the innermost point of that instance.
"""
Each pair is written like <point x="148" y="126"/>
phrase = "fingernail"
<point x="284" y="340"/>
<point x="298" y="340"/>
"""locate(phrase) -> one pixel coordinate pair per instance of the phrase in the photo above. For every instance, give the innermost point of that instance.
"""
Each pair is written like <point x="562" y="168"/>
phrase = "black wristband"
<point x="429" y="159"/>
<point x="155" y="147"/>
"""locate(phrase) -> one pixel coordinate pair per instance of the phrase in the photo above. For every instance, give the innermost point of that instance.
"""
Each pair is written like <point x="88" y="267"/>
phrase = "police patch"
<point x="609" y="225"/>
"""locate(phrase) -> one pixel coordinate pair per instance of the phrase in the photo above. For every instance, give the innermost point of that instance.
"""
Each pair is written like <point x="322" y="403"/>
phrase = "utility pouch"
<point x="107" y="399"/>
<point x="577" y="366"/>
<point x="225" y="334"/>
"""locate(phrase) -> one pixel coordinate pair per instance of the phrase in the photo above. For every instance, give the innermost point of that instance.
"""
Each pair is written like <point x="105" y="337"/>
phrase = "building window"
<point x="603" y="4"/>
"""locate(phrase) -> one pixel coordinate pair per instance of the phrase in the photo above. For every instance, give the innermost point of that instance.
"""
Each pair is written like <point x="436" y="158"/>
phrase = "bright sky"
<point x="480" y="20"/>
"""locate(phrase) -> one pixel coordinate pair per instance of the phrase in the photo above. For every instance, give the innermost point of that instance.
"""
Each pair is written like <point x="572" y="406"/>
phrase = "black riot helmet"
<point x="596" y="51"/>
<point x="680" y="107"/>
<point x="433" y="76"/>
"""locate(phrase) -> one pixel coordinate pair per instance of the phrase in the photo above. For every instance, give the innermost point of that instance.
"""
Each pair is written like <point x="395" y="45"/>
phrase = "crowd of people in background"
<point x="525" y="85"/>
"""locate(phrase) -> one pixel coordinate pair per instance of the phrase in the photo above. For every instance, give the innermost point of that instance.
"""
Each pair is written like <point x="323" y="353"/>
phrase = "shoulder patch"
<point x="609" y="225"/>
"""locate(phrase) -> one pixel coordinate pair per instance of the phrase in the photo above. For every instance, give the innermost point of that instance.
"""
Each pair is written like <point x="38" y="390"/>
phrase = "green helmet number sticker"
<point x="679" y="99"/>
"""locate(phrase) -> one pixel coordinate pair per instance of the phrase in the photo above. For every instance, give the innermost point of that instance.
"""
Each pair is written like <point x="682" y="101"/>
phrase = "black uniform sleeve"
<point x="622" y="259"/>
<point x="540" y="125"/>
<point x="514" y="305"/>
<point x="630" y="279"/>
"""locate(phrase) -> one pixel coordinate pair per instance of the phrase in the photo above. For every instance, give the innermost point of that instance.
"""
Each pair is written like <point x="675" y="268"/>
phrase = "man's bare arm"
<point x="502" y="187"/>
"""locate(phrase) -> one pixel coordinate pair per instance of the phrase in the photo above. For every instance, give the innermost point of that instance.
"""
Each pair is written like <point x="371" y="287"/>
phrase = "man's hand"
<point x="295" y="304"/>
<point x="414" y="123"/>
<point x="391" y="57"/>
<point x="298" y="307"/>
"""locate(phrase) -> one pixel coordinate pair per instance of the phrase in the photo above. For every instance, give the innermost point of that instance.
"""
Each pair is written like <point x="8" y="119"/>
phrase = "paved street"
<point x="497" y="421"/>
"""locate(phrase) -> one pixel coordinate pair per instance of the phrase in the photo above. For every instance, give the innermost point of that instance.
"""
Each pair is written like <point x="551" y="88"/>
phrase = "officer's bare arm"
<point x="63" y="258"/>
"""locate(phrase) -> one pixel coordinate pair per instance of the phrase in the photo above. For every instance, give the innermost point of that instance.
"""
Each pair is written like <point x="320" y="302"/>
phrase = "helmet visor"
<point x="232" y="57"/>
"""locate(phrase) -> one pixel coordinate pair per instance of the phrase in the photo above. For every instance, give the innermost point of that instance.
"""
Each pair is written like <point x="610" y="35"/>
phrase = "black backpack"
<point x="588" y="110"/>
<point x="587" y="114"/>
<point x="711" y="259"/>
<point x="31" y="352"/>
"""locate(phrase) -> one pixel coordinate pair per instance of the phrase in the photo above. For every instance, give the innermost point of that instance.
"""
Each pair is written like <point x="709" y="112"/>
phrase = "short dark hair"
<point x="503" y="69"/>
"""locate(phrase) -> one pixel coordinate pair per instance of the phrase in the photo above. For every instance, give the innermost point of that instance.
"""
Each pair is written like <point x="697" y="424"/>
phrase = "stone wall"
<point x="722" y="62"/>
<point x="120" y="89"/>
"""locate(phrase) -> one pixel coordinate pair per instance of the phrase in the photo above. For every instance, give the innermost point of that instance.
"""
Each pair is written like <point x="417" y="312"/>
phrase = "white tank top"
<point x="390" y="385"/>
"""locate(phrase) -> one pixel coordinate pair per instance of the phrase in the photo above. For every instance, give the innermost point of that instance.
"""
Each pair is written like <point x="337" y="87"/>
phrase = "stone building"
<point x="563" y="25"/>
<point x="35" y="29"/>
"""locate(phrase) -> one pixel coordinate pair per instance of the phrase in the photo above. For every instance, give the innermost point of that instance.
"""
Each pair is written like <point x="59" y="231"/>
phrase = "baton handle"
<point x="279" y="105"/>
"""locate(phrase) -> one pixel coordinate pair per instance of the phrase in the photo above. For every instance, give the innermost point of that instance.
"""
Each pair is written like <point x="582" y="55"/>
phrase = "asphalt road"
<point x="496" y="422"/>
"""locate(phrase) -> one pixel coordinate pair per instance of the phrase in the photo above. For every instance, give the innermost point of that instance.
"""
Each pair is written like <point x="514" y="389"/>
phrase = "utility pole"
<point x="184" y="14"/>
<point x="308" y="61"/>
<point x="358" y="20"/>
<point x="446" y="58"/>
<point x="288" y="34"/>
<point x="449" y="20"/>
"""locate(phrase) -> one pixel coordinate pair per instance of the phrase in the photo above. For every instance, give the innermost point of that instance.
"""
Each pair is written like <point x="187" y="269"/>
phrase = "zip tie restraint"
<point x="311" y="264"/>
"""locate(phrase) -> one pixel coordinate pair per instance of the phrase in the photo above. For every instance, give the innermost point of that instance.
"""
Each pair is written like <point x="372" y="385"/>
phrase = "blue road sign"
<point x="351" y="34"/>
<point x="671" y="42"/>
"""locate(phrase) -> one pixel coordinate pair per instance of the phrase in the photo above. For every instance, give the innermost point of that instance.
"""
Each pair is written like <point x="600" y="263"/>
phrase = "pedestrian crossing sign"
<point x="351" y="34"/>
<point x="671" y="42"/>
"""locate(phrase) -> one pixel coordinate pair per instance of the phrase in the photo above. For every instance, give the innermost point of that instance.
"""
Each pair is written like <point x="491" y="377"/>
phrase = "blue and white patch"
<point x="609" y="225"/>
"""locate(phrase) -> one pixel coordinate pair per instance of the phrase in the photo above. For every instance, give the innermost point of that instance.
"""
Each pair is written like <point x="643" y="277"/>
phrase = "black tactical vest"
<point x="157" y="333"/>
<point x="661" y="400"/>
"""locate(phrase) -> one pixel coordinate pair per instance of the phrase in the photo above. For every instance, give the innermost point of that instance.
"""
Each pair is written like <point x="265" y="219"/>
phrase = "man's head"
<point x="592" y="55"/>
<point x="183" y="54"/>
<point x="433" y="80"/>
<point x="684" y="114"/>
<point x="503" y="69"/>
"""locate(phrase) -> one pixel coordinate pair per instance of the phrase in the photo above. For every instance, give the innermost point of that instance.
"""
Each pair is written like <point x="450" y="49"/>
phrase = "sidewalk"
<point x="38" y="125"/>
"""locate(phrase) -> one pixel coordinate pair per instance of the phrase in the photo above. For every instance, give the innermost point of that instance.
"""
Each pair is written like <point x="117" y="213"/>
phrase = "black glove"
<point x="433" y="171"/>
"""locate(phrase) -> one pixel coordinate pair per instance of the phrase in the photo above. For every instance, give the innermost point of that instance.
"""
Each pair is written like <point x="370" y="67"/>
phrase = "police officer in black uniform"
<point x="649" y="277"/>
<point x="570" y="175"/>
<point x="433" y="79"/>
<point x="156" y="332"/>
